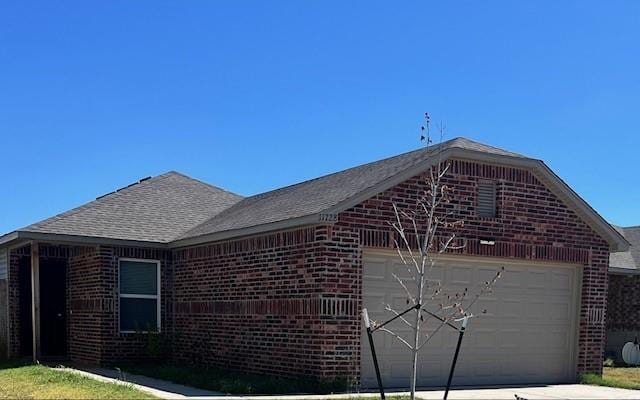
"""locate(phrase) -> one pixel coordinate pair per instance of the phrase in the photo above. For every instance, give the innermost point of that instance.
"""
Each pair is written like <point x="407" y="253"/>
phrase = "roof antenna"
<point x="425" y="130"/>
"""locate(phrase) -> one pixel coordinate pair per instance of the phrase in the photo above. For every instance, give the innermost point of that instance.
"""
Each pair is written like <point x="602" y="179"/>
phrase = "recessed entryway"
<point x="53" y="308"/>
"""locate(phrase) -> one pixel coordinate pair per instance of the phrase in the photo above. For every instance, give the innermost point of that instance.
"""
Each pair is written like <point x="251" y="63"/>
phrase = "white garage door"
<point x="527" y="336"/>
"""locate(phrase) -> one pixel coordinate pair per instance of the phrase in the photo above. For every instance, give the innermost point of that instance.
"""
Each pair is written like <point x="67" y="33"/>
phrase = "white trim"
<point x="141" y="296"/>
<point x="287" y="224"/>
<point x="15" y="236"/>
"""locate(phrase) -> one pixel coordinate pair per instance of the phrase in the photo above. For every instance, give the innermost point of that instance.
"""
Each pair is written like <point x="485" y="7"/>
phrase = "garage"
<point x="528" y="334"/>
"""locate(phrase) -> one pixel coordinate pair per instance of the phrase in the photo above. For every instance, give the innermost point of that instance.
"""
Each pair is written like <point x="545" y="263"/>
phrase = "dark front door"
<point x="53" y="314"/>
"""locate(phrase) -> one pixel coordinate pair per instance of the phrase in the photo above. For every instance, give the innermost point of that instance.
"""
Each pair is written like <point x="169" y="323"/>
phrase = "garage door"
<point x="527" y="336"/>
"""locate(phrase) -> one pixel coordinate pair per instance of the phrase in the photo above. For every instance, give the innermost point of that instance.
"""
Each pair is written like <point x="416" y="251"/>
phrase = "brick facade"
<point x="4" y="320"/>
<point x="531" y="224"/>
<point x="288" y="303"/>
<point x="267" y="304"/>
<point x="623" y="313"/>
<point x="93" y="335"/>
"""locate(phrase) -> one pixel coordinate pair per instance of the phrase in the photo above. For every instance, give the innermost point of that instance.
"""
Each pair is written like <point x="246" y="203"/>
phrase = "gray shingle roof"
<point x="628" y="260"/>
<point x="317" y="195"/>
<point x="155" y="210"/>
<point x="175" y="210"/>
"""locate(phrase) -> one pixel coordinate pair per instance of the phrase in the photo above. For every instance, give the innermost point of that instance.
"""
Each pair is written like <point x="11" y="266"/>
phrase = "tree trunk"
<point x="416" y="337"/>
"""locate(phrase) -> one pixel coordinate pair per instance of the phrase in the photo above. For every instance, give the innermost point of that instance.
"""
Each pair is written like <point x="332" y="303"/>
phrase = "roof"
<point x="177" y="211"/>
<point x="316" y="195"/>
<point x="158" y="209"/>
<point x="627" y="262"/>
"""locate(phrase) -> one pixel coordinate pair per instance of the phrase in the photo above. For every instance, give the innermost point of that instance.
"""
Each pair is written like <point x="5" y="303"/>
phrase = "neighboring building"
<point x="274" y="283"/>
<point x="623" y="313"/>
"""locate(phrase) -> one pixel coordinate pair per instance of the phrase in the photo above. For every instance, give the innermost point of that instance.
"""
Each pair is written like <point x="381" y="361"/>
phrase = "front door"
<point x="53" y="315"/>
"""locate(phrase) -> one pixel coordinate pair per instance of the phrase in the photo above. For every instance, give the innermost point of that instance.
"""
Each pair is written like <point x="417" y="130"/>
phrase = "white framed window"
<point x="139" y="292"/>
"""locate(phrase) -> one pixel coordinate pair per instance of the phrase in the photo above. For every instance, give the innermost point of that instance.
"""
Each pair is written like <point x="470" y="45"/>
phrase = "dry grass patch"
<point x="19" y="381"/>
<point x="621" y="377"/>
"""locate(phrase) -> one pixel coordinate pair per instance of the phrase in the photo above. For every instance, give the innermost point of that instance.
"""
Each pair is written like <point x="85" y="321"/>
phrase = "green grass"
<point x="20" y="381"/>
<point x="620" y="377"/>
<point x="236" y="383"/>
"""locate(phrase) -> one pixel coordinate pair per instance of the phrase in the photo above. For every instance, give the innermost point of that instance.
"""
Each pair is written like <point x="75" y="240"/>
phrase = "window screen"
<point x="139" y="296"/>
<point x="487" y="199"/>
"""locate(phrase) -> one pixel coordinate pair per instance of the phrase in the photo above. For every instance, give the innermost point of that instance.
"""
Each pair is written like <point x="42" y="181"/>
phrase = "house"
<point x="275" y="283"/>
<point x="623" y="313"/>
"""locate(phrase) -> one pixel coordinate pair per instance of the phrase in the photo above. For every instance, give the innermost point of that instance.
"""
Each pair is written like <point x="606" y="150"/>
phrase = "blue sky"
<point x="254" y="95"/>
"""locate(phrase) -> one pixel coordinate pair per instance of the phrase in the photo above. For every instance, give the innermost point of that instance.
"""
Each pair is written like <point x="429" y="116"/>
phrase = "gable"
<point x="527" y="210"/>
<point x="535" y="168"/>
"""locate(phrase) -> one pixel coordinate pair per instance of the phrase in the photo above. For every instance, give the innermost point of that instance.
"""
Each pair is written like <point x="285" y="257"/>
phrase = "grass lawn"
<point x="233" y="382"/>
<point x="19" y="381"/>
<point x="621" y="377"/>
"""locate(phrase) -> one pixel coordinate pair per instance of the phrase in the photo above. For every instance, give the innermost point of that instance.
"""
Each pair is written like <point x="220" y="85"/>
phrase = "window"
<point x="139" y="295"/>
<point x="487" y="200"/>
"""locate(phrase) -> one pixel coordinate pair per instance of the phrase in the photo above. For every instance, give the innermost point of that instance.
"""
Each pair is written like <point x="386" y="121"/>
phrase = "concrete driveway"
<point x="168" y="390"/>
<point x="573" y="392"/>
<point x="569" y="392"/>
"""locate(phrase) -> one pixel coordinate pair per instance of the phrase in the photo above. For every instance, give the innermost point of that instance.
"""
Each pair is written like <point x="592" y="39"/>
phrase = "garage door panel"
<point x="461" y="277"/>
<point x="376" y="270"/>
<point x="560" y="281"/>
<point x="512" y="279"/>
<point x="484" y="338"/>
<point x="510" y="307"/>
<point x="401" y="270"/>
<point x="537" y="279"/>
<point x="560" y="311"/>
<point x="536" y="309"/>
<point x="526" y="336"/>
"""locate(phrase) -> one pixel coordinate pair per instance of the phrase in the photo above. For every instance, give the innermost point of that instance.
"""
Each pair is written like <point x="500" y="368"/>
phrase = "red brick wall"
<point x="88" y="302"/>
<point x="14" y="305"/>
<point x="248" y="304"/>
<point x="288" y="303"/>
<point x="623" y="311"/>
<point x="92" y="301"/>
<point x="4" y="339"/>
<point x="94" y="305"/>
<point x="259" y="304"/>
<point x="532" y="223"/>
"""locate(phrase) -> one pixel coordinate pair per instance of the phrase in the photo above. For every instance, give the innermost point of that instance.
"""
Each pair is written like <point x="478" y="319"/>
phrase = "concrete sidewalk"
<point x="167" y="390"/>
<point x="156" y="387"/>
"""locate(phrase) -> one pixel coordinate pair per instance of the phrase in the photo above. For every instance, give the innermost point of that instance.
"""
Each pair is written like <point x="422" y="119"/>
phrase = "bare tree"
<point x="422" y="235"/>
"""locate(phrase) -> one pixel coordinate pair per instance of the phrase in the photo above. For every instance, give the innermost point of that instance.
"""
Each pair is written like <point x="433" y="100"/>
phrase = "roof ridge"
<point x="98" y="199"/>
<point x="488" y="146"/>
<point x="257" y="197"/>
<point x="348" y="169"/>
<point x="174" y="172"/>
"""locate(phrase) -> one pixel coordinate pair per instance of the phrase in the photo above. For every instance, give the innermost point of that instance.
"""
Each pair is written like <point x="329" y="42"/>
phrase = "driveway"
<point x="167" y="390"/>
<point x="572" y="392"/>
<point x="568" y="392"/>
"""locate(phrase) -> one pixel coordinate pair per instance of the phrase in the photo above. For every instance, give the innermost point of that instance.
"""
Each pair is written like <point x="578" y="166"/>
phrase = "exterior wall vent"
<point x="486" y="207"/>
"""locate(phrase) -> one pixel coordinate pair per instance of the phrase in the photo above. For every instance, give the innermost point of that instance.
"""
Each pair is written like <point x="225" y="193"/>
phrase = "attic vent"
<point x="486" y="200"/>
